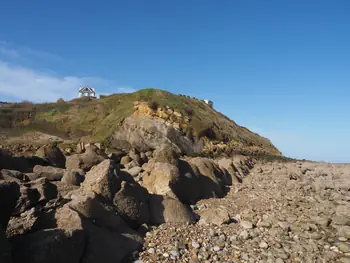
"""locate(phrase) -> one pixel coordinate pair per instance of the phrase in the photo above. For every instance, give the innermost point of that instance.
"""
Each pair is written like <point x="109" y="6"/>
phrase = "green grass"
<point x="99" y="118"/>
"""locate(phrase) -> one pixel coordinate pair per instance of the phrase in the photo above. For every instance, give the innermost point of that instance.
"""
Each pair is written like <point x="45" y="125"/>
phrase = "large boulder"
<point x="216" y="215"/>
<point x="12" y="175"/>
<point x="107" y="241"/>
<point x="33" y="192"/>
<point x="108" y="246"/>
<point x="85" y="161"/>
<point x="46" y="189"/>
<point x="9" y="194"/>
<point x="73" y="177"/>
<point x="146" y="133"/>
<point x="28" y="199"/>
<point x="5" y="251"/>
<point x="160" y="178"/>
<point x="52" y="154"/>
<point x="166" y="154"/>
<point x="132" y="203"/>
<point x="102" y="180"/>
<point x="211" y="178"/>
<point x="23" y="164"/>
<point x="164" y="209"/>
<point x="88" y="207"/>
<point x="49" y="172"/>
<point x="20" y="225"/>
<point x="51" y="245"/>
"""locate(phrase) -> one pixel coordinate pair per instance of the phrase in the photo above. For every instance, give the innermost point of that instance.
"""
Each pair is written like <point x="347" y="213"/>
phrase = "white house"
<point x="86" y="91"/>
<point x="209" y="102"/>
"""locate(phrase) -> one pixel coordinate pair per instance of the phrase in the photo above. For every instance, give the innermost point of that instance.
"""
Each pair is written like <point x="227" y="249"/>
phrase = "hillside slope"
<point x="142" y="119"/>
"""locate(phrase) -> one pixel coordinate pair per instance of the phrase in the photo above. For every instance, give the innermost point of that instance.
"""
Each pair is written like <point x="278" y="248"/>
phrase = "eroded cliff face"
<point x="146" y="129"/>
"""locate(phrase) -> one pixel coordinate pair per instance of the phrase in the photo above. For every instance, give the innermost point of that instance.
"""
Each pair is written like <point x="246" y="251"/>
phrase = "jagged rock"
<point x="85" y="161"/>
<point x="22" y="224"/>
<point x="13" y="175"/>
<point x="40" y="190"/>
<point x="49" y="172"/>
<point x="73" y="177"/>
<point x="23" y="164"/>
<point x="125" y="160"/>
<point x="166" y="154"/>
<point x="217" y="216"/>
<point x="47" y="190"/>
<point x="102" y="180"/>
<point x="104" y="243"/>
<point x="52" y="245"/>
<point x="147" y="134"/>
<point x="132" y="164"/>
<point x="9" y="194"/>
<point x="66" y="218"/>
<point x="131" y="202"/>
<point x="52" y="154"/>
<point x="135" y="155"/>
<point x="28" y="199"/>
<point x="211" y="178"/>
<point x="134" y="171"/>
<point x="164" y="209"/>
<point x="87" y="206"/>
<point x="160" y="179"/>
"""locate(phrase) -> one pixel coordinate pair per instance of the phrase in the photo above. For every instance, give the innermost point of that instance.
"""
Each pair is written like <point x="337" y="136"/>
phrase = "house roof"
<point x="86" y="89"/>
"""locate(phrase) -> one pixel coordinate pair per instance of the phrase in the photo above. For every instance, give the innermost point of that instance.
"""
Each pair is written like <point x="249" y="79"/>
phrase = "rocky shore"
<point x="98" y="205"/>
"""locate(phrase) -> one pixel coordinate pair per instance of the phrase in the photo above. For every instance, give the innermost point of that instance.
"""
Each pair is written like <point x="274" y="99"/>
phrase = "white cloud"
<point x="7" y="52"/>
<point x="28" y="84"/>
<point x="10" y="51"/>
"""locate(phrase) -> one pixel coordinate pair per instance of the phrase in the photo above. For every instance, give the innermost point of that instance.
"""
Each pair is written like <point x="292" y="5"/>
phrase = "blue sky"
<point x="280" y="68"/>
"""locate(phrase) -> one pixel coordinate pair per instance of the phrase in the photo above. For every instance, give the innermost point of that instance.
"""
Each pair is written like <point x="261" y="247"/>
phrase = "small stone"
<point x="246" y="224"/>
<point x="217" y="248"/>
<point x="263" y="244"/>
<point x="175" y="253"/>
<point x="344" y="247"/>
<point x="195" y="244"/>
<point x="151" y="250"/>
<point x="233" y="238"/>
<point x="166" y="255"/>
<point x="244" y="235"/>
<point x="279" y="260"/>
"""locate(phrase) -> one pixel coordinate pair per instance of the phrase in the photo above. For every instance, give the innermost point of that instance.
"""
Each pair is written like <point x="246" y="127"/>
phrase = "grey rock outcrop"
<point x="164" y="209"/>
<point x="49" y="172"/>
<point x="85" y="161"/>
<point x="132" y="203"/>
<point x="102" y="180"/>
<point x="53" y="155"/>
